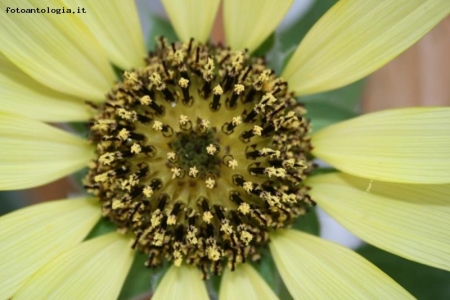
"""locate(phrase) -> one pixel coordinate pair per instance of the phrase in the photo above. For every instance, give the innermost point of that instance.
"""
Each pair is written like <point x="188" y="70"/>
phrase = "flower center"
<point x="201" y="154"/>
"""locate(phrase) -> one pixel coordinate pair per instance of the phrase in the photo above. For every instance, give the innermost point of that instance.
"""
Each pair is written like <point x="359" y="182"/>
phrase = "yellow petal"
<point x="244" y="283"/>
<point x="409" y="220"/>
<point x="32" y="236"/>
<point x="116" y="26"/>
<point x="248" y="23"/>
<point x="94" y="269"/>
<point x="356" y="37"/>
<point x="408" y="145"/>
<point x="33" y="153"/>
<point x="23" y="95"/>
<point x="192" y="18"/>
<point x="183" y="282"/>
<point x="56" y="50"/>
<point x="314" y="268"/>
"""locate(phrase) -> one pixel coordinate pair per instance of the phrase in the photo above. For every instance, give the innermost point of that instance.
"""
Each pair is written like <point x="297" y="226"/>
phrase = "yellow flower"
<point x="203" y="156"/>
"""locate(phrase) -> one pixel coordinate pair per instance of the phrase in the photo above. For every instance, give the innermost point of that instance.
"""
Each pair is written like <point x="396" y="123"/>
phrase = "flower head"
<point x="198" y="172"/>
<point x="201" y="155"/>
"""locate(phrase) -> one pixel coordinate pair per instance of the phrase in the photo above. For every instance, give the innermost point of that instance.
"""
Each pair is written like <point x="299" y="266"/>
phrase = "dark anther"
<point x="268" y="187"/>
<point x="260" y="217"/>
<point x="190" y="45"/>
<point x="167" y="131"/>
<point x="276" y="163"/>
<point x="232" y="102"/>
<point x="162" y="201"/>
<point x="174" y="49"/>
<point x="179" y="233"/>
<point x="223" y="60"/>
<point x="246" y="135"/>
<point x="186" y="95"/>
<point x="206" y="89"/>
<point x="144" y="119"/>
<point x="227" y="82"/>
<point x="250" y="117"/>
<point x="135" y="193"/>
<point x="250" y="96"/>
<point x="252" y="154"/>
<point x="234" y="196"/>
<point x="203" y="202"/>
<point x="209" y="230"/>
<point x="150" y="151"/>
<point x="277" y="110"/>
<point x="197" y="55"/>
<point x="143" y="170"/>
<point x="162" y="42"/>
<point x="176" y="209"/>
<point x="91" y="186"/>
<point x="91" y="104"/>
<point x="238" y="180"/>
<point x="168" y="95"/>
<point x="159" y="110"/>
<point x="192" y="221"/>
<point x="233" y="260"/>
<point x="166" y="71"/>
<point x="219" y="212"/>
<point x="244" y="76"/>
<point x="121" y="171"/>
<point x="268" y="129"/>
<point x="137" y="136"/>
<point x="255" y="168"/>
<point x="215" y="105"/>
<point x="156" y="184"/>
<point x="138" y="236"/>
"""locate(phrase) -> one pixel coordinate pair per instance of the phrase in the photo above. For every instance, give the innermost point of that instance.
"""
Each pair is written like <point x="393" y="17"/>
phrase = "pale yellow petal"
<point x="115" y="24"/>
<point x="409" y="220"/>
<point x="410" y="145"/>
<point x="248" y="23"/>
<point x="314" y="268"/>
<point x="244" y="283"/>
<point x="32" y="236"/>
<point x="23" y="95"/>
<point x="355" y="38"/>
<point x="94" y="269"/>
<point x="192" y="18"/>
<point x="183" y="282"/>
<point x="55" y="49"/>
<point x="33" y="153"/>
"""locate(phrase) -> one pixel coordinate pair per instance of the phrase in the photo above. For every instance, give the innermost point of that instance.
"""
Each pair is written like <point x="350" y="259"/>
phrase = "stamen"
<point x="195" y="182"/>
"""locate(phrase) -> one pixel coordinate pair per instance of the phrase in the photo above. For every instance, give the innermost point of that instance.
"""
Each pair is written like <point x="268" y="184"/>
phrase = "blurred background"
<point x="418" y="77"/>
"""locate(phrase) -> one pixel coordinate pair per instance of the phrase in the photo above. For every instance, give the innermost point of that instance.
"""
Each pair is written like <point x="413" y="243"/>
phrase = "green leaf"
<point x="160" y="27"/>
<point x="346" y="97"/>
<point x="423" y="282"/>
<point x="308" y="223"/>
<point x="213" y="285"/>
<point x="102" y="227"/>
<point x="11" y="201"/>
<point x="322" y="114"/>
<point x="265" y="46"/>
<point x="141" y="280"/>
<point x="138" y="280"/>
<point x="297" y="31"/>
<point x="267" y="269"/>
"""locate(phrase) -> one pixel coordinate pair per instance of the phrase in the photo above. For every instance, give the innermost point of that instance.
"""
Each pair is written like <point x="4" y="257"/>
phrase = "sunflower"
<point x="201" y="155"/>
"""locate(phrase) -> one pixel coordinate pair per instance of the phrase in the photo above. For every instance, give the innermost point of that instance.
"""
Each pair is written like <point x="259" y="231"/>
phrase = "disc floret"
<point x="201" y="154"/>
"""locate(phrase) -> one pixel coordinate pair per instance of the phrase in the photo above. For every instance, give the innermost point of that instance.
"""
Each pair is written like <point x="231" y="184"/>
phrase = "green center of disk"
<point x="197" y="150"/>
